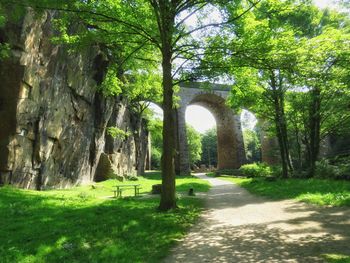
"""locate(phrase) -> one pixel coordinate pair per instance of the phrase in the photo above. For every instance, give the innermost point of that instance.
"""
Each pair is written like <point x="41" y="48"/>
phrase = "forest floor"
<point x="240" y="227"/>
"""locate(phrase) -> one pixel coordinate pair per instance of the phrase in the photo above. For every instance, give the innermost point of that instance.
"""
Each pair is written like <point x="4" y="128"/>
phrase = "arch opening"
<point x="228" y="130"/>
<point x="201" y="138"/>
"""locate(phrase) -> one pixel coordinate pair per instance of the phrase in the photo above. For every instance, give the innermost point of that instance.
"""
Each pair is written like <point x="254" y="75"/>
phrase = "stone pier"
<point x="231" y="154"/>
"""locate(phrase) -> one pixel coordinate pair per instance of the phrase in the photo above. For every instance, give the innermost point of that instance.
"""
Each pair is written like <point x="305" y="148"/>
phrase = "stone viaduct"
<point x="231" y="154"/>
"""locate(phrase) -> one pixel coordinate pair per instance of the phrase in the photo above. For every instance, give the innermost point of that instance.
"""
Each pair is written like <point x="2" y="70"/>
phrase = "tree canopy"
<point x="288" y="61"/>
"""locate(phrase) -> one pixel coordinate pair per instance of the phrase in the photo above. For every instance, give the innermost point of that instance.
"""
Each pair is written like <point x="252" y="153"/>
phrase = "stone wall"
<point x="52" y="119"/>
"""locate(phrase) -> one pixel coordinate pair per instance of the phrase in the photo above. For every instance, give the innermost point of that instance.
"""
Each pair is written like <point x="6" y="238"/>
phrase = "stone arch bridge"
<point x="231" y="154"/>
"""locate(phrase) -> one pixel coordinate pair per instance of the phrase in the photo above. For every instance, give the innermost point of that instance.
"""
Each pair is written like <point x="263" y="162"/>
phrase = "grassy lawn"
<point x="315" y="191"/>
<point x="86" y="224"/>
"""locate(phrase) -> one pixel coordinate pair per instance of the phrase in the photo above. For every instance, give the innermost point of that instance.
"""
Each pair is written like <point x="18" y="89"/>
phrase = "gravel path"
<point x="240" y="227"/>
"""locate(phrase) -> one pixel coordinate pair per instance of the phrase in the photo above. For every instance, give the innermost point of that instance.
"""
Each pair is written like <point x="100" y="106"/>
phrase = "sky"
<point x="202" y="120"/>
<point x="324" y="3"/>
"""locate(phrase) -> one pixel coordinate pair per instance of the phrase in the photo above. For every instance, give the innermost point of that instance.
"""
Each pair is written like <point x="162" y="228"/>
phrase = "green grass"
<point x="336" y="258"/>
<point x="86" y="224"/>
<point x="315" y="191"/>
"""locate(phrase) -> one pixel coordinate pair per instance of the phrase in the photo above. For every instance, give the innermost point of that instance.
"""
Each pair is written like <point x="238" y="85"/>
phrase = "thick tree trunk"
<point x="165" y="12"/>
<point x="168" y="200"/>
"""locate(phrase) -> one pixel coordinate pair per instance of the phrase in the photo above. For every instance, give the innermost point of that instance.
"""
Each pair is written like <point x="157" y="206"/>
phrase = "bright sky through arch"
<point x="199" y="118"/>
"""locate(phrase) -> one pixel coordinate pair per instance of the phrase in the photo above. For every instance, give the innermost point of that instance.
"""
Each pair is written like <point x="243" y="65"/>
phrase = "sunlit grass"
<point x="86" y="224"/>
<point x="315" y="191"/>
<point x="337" y="258"/>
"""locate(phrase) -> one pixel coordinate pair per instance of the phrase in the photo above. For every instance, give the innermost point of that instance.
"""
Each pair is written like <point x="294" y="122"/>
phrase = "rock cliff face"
<point x="52" y="119"/>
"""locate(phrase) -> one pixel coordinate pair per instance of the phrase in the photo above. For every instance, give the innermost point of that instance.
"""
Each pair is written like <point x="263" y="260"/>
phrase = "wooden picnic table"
<point x="118" y="192"/>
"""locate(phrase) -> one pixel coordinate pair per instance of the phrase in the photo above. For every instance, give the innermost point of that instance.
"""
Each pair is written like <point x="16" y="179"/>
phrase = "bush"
<point x="260" y="170"/>
<point x="253" y="170"/>
<point x="326" y="170"/>
<point x="276" y="170"/>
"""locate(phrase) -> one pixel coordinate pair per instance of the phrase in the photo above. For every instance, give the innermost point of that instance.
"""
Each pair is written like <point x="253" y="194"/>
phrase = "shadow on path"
<point x="240" y="227"/>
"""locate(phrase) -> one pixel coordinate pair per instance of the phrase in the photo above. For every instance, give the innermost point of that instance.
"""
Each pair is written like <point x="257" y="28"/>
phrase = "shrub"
<point x="253" y="170"/>
<point x="326" y="170"/>
<point x="259" y="170"/>
<point x="276" y="170"/>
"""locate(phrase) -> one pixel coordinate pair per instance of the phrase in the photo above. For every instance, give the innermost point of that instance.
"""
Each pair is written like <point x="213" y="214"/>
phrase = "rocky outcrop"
<point x="52" y="119"/>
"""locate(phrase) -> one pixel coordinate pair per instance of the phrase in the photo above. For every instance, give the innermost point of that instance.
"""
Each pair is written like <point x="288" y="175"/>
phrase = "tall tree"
<point x="152" y="25"/>
<point x="259" y="52"/>
<point x="323" y="71"/>
<point x="142" y="88"/>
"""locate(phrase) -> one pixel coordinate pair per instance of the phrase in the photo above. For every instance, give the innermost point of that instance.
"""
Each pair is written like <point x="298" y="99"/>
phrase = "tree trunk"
<point x="281" y="125"/>
<point x="315" y="123"/>
<point x="137" y="140"/>
<point x="167" y="200"/>
<point x="165" y="12"/>
<point x="140" y="145"/>
<point x="298" y="144"/>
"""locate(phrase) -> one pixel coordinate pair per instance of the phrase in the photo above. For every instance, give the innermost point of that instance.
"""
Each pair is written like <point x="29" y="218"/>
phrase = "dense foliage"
<point x="209" y="148"/>
<point x="288" y="60"/>
<point x="252" y="145"/>
<point x="290" y="65"/>
<point x="155" y="127"/>
<point x="194" y="144"/>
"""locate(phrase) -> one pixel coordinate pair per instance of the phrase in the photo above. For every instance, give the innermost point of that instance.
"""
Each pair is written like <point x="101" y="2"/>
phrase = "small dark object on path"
<point x="191" y="192"/>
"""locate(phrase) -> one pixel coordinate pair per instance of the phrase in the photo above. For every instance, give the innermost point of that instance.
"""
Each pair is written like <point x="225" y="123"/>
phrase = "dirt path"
<point x="240" y="227"/>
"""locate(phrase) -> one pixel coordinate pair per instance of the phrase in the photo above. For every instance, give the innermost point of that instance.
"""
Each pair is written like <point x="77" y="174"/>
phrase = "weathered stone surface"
<point x="52" y="119"/>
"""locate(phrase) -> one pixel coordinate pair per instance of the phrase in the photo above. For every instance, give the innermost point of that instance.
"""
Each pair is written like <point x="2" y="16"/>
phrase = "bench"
<point x="119" y="191"/>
